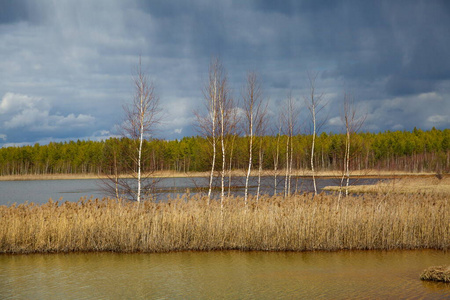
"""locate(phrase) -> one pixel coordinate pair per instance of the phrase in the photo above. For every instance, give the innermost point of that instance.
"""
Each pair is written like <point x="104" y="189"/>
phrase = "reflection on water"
<point x="39" y="191"/>
<point x="222" y="275"/>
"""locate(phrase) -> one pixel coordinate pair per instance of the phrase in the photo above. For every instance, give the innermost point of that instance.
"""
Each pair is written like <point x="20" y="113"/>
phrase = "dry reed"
<point x="437" y="273"/>
<point x="273" y="224"/>
<point x="170" y="174"/>
<point x="403" y="185"/>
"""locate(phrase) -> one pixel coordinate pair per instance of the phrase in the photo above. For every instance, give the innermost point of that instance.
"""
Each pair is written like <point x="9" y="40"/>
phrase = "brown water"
<point x="223" y="275"/>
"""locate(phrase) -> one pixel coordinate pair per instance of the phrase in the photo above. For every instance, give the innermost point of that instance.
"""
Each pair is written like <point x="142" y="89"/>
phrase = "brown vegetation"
<point x="404" y="185"/>
<point x="273" y="224"/>
<point x="170" y="174"/>
<point x="436" y="273"/>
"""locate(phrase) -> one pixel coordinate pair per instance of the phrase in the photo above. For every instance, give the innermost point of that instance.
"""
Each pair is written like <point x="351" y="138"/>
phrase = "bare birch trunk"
<point x="352" y="125"/>
<point x="290" y="114"/>
<point x="218" y="121"/>
<point x="213" y="116"/>
<point x="314" y="103"/>
<point x="142" y="114"/>
<point x="312" y="147"/>
<point x="290" y="164"/>
<point x="211" y="176"/>
<point x="275" y="163"/>
<point x="259" y="170"/>
<point x="231" y="164"/>
<point x="286" y="179"/>
<point x="254" y="113"/>
<point x="347" y="163"/>
<point x="116" y="175"/>
<point x="141" y="139"/>
<point x="249" y="166"/>
<point x="222" y="141"/>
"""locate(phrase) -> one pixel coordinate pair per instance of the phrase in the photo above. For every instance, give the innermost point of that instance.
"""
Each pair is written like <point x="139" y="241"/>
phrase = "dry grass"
<point x="171" y="174"/>
<point x="404" y="185"/>
<point x="296" y="224"/>
<point x="436" y="273"/>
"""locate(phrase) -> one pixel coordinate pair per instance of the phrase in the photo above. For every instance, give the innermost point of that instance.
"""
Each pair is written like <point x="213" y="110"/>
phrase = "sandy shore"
<point x="173" y="174"/>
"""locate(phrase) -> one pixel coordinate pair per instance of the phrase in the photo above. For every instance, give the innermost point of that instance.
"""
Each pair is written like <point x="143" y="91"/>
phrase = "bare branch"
<point x="254" y="122"/>
<point x="142" y="115"/>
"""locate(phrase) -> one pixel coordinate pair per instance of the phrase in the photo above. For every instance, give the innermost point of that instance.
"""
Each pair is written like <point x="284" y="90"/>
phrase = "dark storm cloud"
<point x="404" y="43"/>
<point x="70" y="62"/>
<point x="188" y="27"/>
<point x="408" y="47"/>
<point x="13" y="11"/>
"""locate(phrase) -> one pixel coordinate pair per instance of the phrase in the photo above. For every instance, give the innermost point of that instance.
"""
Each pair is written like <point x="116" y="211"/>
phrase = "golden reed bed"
<point x="436" y="273"/>
<point x="274" y="224"/>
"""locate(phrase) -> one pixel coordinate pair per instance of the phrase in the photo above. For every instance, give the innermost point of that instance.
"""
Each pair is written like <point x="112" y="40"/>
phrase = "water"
<point x="40" y="191"/>
<point x="223" y="275"/>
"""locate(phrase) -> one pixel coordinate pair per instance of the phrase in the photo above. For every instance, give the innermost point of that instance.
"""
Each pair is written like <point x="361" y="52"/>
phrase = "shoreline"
<point x="235" y="173"/>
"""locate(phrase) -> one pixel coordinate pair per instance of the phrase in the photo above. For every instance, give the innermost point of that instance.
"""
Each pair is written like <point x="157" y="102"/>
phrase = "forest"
<point x="416" y="151"/>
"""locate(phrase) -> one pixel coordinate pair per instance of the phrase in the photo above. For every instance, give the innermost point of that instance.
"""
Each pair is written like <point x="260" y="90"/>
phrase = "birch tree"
<point x="213" y="124"/>
<point x="254" y="112"/>
<point x="315" y="104"/>
<point x="352" y="125"/>
<point x="126" y="156"/>
<point x="260" y="131"/>
<point x="276" y="154"/>
<point x="142" y="115"/>
<point x="226" y="118"/>
<point x="290" y="114"/>
<point x="232" y="135"/>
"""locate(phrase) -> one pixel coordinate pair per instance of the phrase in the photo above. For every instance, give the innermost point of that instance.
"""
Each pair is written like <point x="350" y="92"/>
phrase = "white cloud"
<point x="438" y="119"/>
<point x="72" y="120"/>
<point x="27" y="117"/>
<point x="12" y="102"/>
<point x="3" y="137"/>
<point x="430" y="96"/>
<point x="178" y="130"/>
<point x="34" y="114"/>
<point x="398" y="127"/>
<point x="336" y="121"/>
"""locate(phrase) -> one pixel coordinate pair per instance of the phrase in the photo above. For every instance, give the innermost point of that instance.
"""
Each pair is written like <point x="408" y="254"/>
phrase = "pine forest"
<point x="403" y="151"/>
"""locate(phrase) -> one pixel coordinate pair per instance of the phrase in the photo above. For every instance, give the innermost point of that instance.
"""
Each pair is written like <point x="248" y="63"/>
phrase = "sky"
<point x="66" y="67"/>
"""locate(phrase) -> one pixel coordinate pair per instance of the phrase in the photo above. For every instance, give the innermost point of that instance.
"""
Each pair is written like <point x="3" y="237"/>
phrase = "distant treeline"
<point x="416" y="151"/>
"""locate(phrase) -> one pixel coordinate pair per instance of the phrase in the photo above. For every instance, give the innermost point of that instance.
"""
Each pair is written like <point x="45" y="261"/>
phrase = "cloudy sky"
<point x="66" y="66"/>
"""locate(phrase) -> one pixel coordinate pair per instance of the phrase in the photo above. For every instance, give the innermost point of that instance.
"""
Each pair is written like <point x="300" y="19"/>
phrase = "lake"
<point x="209" y="275"/>
<point x="40" y="191"/>
<point x="223" y="275"/>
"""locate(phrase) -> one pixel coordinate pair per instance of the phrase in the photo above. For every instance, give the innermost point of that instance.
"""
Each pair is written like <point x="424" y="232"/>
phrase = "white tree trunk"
<point x="347" y="163"/>
<point x="275" y="165"/>
<point x="141" y="139"/>
<point x="286" y="180"/>
<point x="230" y="165"/>
<point x="249" y="162"/>
<point x="313" y="145"/>
<point x="116" y="175"/>
<point x="290" y="165"/>
<point x="255" y="116"/>
<point x="259" y="171"/>
<point x="222" y="141"/>
<point x="213" y="115"/>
